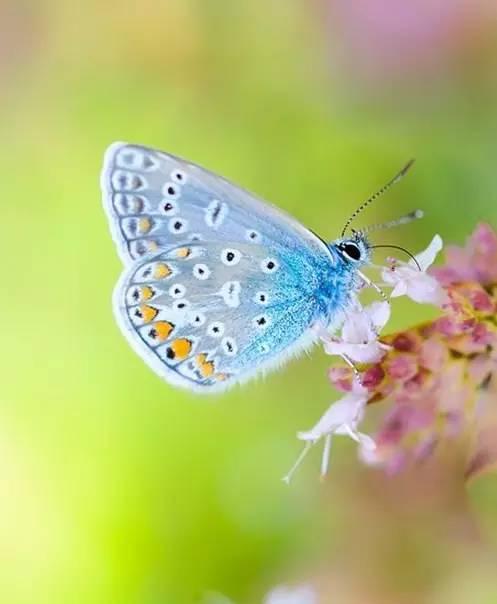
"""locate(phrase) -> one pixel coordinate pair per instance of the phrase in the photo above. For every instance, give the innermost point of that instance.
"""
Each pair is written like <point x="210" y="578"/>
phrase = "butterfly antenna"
<point x="400" y="248"/>
<point x="375" y="196"/>
<point x="406" y="219"/>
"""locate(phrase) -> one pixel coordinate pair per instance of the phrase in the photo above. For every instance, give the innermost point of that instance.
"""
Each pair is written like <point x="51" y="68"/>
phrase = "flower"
<point x="282" y="594"/>
<point x="438" y="377"/>
<point x="475" y="262"/>
<point x="342" y="417"/>
<point x="411" y="279"/>
<point x="359" y="341"/>
<point x="301" y="594"/>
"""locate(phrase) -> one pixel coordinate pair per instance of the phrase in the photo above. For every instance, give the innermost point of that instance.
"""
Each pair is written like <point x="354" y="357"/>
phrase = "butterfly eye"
<point x="352" y="251"/>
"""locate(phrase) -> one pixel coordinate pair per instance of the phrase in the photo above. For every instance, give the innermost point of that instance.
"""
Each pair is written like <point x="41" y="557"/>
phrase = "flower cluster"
<point x="437" y="376"/>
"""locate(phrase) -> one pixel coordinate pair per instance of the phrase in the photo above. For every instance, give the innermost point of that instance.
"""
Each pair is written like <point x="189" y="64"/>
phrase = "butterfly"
<point x="218" y="286"/>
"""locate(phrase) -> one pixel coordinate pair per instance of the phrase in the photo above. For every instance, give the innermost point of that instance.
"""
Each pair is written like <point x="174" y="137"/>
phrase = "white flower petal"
<point x="301" y="594"/>
<point x="359" y="353"/>
<point x="426" y="289"/>
<point x="347" y="411"/>
<point x="357" y="327"/>
<point x="379" y="313"/>
<point x="427" y="257"/>
<point x="400" y="288"/>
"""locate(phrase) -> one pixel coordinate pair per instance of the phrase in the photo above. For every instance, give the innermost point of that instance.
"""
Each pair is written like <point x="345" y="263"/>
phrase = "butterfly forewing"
<point x="206" y="315"/>
<point x="155" y="200"/>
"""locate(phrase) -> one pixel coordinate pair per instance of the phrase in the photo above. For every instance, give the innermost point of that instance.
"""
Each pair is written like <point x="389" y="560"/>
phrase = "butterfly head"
<point x="354" y="251"/>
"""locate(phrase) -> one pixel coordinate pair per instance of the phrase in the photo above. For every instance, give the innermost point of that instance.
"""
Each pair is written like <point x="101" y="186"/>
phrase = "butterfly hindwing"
<point x="155" y="200"/>
<point x="205" y="315"/>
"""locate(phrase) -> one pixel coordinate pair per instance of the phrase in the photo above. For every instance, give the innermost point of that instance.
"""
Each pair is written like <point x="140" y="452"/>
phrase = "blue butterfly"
<point x="218" y="285"/>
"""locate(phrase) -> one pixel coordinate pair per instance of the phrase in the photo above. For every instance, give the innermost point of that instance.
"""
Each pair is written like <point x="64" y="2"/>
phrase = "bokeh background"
<point x="116" y="488"/>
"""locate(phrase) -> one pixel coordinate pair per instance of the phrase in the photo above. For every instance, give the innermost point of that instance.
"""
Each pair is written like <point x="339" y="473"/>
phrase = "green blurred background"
<point x="115" y="487"/>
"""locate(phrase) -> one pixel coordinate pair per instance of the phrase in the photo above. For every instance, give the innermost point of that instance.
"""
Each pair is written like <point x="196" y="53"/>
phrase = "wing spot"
<point x="269" y="265"/>
<point x="161" y="271"/>
<point x="169" y="208"/>
<point x="127" y="181"/>
<point x="252" y="236"/>
<point x="221" y="377"/>
<point x="146" y="313"/>
<point x="261" y="298"/>
<point x="177" y="226"/>
<point x="230" y="257"/>
<point x="181" y="304"/>
<point x="177" y="290"/>
<point x="130" y="226"/>
<point x="260" y="322"/>
<point x="196" y="237"/>
<point x="171" y="190"/>
<point x="229" y="347"/>
<point x="201" y="272"/>
<point x="183" y="252"/>
<point x="198" y="320"/>
<point x="179" y="349"/>
<point x="205" y="367"/>
<point x="128" y="204"/>
<point x="161" y="331"/>
<point x="146" y="292"/>
<point x="145" y="224"/>
<point x="215" y="329"/>
<point x="129" y="158"/>
<point x="215" y="213"/>
<point x="230" y="292"/>
<point x="178" y="176"/>
<point x="138" y="248"/>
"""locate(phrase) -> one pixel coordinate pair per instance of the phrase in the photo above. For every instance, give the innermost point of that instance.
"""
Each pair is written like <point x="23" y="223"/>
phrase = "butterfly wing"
<point x="155" y="201"/>
<point x="207" y="315"/>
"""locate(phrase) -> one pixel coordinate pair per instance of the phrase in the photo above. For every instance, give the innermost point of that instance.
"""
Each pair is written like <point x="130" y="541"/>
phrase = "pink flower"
<point x="438" y="377"/>
<point x="476" y="262"/>
<point x="408" y="279"/>
<point x="359" y="341"/>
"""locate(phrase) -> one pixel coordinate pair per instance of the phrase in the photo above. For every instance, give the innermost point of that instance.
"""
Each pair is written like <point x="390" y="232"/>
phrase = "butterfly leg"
<point x="351" y="364"/>
<point x="376" y="287"/>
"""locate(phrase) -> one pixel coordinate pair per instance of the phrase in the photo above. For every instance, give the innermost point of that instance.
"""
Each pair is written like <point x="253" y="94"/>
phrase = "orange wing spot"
<point x="221" y="377"/>
<point x="163" y="329"/>
<point x="180" y="348"/>
<point x="144" y="225"/>
<point x="162" y="270"/>
<point x="201" y="358"/>
<point x="183" y="252"/>
<point x="153" y="246"/>
<point x="205" y="367"/>
<point x="148" y="313"/>
<point x="146" y="292"/>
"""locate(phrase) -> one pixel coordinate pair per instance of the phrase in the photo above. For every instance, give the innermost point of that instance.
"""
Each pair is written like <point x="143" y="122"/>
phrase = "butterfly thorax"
<point x="340" y="279"/>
